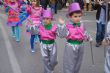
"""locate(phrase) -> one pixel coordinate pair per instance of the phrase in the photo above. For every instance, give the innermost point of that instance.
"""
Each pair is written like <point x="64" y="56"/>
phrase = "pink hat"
<point x="73" y="7"/>
<point x="48" y="14"/>
<point x="13" y="4"/>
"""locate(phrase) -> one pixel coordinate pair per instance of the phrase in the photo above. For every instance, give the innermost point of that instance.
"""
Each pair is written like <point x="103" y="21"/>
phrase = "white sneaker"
<point x="32" y="51"/>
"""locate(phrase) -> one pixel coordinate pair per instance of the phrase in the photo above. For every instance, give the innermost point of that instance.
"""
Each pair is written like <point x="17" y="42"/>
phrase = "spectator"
<point x="101" y="21"/>
<point x="53" y="5"/>
<point x="44" y="3"/>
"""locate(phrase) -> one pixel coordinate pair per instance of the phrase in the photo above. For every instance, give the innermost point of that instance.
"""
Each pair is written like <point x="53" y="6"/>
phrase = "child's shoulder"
<point x="69" y="24"/>
<point x="54" y="26"/>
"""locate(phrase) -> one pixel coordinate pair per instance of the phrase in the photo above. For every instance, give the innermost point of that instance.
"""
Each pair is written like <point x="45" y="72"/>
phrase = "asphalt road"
<point x="16" y="57"/>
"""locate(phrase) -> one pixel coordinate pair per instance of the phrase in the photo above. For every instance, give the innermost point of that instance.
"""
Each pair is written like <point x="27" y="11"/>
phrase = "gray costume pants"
<point x="49" y="54"/>
<point x="73" y="55"/>
<point x="107" y="61"/>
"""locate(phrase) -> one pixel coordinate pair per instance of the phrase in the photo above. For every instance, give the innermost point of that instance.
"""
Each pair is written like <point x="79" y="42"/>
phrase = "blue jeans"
<point x="52" y="8"/>
<point x="16" y="32"/>
<point x="7" y="9"/>
<point x="32" y="38"/>
<point x="100" y="32"/>
<point x="36" y="38"/>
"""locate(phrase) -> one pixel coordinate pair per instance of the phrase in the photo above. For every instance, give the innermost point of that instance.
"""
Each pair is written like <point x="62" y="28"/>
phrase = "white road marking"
<point x="12" y="57"/>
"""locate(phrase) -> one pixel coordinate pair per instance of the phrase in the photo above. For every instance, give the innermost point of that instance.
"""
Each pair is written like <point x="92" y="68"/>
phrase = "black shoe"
<point x="98" y="44"/>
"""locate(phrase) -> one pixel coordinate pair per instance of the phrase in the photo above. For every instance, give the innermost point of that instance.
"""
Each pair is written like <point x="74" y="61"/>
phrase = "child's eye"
<point x="79" y="16"/>
<point x="75" y="16"/>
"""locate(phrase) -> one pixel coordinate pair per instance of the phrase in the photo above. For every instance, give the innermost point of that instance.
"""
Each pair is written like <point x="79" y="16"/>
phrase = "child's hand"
<point x="61" y="21"/>
<point x="105" y="42"/>
<point x="90" y="40"/>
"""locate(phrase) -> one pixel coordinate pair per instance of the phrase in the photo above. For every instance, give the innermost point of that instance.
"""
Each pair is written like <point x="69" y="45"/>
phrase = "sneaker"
<point x="17" y="40"/>
<point x="32" y="51"/>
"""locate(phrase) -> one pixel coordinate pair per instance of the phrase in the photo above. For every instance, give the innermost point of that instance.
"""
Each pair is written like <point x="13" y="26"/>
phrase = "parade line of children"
<point x="40" y="26"/>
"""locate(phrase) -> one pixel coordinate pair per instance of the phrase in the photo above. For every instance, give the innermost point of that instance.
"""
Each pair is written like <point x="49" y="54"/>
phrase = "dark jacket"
<point x="98" y="7"/>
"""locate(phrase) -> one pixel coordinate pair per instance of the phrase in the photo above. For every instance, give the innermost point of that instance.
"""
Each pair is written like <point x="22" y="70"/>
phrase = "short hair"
<point x="78" y="11"/>
<point x="37" y="2"/>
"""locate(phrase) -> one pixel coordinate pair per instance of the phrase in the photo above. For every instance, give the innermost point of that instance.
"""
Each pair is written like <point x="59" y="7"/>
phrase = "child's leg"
<point x="17" y="33"/>
<point x="71" y="58"/>
<point x="53" y="55"/>
<point x="53" y="8"/>
<point x="107" y="61"/>
<point x="79" y="58"/>
<point x="39" y="38"/>
<point x="7" y="9"/>
<point x="36" y="38"/>
<point x="98" y="34"/>
<point x="46" y="58"/>
<point x="32" y="42"/>
<point x="13" y="31"/>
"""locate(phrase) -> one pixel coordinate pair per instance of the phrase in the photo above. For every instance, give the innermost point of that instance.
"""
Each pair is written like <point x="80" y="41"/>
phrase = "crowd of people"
<point x="41" y="29"/>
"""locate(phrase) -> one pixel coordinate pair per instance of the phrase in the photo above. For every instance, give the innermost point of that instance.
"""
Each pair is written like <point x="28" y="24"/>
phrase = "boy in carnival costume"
<point x="106" y="42"/>
<point x="75" y="35"/>
<point x="48" y="32"/>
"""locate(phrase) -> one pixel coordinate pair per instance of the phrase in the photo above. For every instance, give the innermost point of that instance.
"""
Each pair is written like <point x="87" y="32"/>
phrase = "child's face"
<point x="33" y="4"/>
<point x="47" y="20"/>
<point x="76" y="17"/>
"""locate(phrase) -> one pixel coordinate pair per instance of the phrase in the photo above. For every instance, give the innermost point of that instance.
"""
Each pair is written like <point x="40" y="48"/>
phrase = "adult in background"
<point x="53" y="5"/>
<point x="44" y="3"/>
<point x="101" y="21"/>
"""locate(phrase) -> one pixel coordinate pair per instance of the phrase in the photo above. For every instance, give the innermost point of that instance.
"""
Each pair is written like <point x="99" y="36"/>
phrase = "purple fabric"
<point x="12" y="23"/>
<point x="47" y="13"/>
<point x="73" y="7"/>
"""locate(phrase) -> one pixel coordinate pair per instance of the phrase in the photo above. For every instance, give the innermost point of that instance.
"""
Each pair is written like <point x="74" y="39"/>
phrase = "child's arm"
<point x="87" y="35"/>
<point x="33" y="29"/>
<point x="106" y="40"/>
<point x="61" y="31"/>
<point x="29" y="11"/>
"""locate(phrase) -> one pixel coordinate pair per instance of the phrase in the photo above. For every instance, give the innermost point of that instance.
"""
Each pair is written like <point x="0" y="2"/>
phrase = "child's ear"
<point x="82" y="14"/>
<point x="69" y="16"/>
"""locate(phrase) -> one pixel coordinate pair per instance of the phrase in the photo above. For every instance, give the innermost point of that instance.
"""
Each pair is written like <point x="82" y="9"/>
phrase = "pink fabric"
<point x="29" y="9"/>
<point x="75" y="33"/>
<point x="35" y="16"/>
<point x="13" y="16"/>
<point x="14" y="5"/>
<point x="47" y="34"/>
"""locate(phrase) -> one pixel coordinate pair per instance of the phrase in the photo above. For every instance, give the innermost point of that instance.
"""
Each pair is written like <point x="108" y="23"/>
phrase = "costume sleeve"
<point x="62" y="31"/>
<point x="29" y="10"/>
<point x="87" y="35"/>
<point x="33" y="29"/>
<point x="107" y="35"/>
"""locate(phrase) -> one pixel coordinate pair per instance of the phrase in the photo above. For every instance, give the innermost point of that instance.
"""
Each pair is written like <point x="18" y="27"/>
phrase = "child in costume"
<point x="13" y="18"/>
<point x="106" y="42"/>
<point x="35" y="17"/>
<point x="75" y="36"/>
<point x="48" y="33"/>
